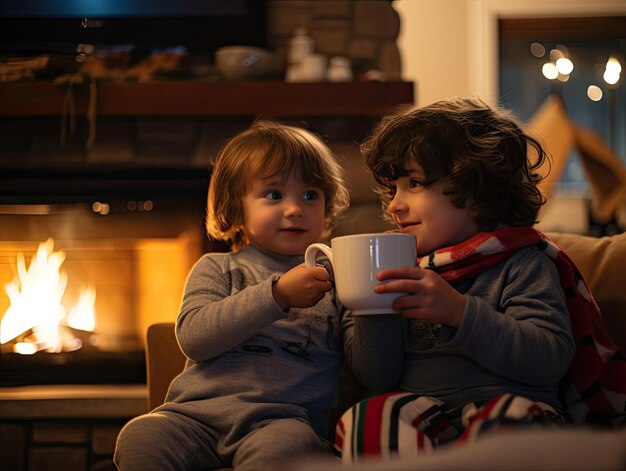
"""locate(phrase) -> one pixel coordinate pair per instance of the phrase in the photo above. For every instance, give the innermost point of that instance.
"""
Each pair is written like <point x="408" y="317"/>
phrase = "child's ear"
<point x="328" y="228"/>
<point x="239" y="230"/>
<point x="237" y="222"/>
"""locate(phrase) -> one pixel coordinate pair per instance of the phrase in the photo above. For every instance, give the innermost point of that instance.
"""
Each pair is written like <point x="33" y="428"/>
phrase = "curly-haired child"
<point x="485" y="331"/>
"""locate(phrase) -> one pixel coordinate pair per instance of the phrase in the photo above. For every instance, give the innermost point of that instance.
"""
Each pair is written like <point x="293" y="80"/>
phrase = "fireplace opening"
<point x="81" y="281"/>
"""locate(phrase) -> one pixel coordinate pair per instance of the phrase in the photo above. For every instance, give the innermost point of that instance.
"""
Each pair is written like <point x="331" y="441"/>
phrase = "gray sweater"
<point x="515" y="337"/>
<point x="249" y="361"/>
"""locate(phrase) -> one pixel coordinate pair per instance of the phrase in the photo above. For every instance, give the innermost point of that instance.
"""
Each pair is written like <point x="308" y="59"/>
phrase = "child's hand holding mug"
<point x="356" y="260"/>
<point x="302" y="286"/>
<point x="429" y="297"/>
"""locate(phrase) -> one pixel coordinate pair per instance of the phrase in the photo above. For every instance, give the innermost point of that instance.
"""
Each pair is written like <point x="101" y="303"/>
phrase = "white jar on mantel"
<point x="339" y="70"/>
<point x="312" y="69"/>
<point x="301" y="45"/>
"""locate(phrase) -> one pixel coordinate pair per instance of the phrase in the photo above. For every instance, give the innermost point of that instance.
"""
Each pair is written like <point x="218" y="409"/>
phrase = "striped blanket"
<point x="593" y="390"/>
<point x="402" y="424"/>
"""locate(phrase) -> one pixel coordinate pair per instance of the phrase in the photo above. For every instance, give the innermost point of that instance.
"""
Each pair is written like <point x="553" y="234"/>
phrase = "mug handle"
<point x="311" y="253"/>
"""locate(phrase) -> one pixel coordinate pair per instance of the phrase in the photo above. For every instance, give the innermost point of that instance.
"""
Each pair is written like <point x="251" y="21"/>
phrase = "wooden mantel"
<point x="209" y="99"/>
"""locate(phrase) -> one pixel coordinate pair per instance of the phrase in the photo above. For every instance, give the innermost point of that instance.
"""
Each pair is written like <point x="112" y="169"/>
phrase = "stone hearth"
<point x="77" y="425"/>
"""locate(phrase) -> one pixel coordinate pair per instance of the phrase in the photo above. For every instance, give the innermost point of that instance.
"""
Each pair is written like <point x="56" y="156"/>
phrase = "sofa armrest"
<point x="164" y="359"/>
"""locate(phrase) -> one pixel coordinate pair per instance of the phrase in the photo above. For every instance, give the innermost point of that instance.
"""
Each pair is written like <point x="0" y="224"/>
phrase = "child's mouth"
<point x="407" y="226"/>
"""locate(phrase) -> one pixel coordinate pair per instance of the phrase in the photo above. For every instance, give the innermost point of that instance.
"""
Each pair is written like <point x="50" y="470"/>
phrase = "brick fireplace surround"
<point x="74" y="426"/>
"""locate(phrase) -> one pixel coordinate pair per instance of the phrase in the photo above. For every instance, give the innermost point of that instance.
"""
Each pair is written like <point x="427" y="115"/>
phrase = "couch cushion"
<point x="602" y="262"/>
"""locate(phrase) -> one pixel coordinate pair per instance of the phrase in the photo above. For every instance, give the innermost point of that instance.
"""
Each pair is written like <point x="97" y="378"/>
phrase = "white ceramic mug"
<point x="356" y="259"/>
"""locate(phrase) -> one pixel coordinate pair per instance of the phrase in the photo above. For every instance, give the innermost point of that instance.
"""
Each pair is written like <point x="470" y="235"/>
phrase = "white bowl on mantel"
<point x="234" y="63"/>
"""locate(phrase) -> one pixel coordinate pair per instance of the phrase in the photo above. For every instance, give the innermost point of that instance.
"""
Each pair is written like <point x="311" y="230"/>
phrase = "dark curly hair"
<point x="480" y="154"/>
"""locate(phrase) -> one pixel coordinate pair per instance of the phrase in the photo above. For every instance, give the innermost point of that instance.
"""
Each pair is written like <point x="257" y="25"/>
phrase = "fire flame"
<point x="35" y="304"/>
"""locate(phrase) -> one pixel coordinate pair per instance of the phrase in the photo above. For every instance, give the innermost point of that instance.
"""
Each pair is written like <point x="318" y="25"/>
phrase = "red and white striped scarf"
<point x="594" y="387"/>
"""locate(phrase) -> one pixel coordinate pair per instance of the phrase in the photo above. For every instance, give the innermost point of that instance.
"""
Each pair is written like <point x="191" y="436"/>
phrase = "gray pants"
<point x="170" y="441"/>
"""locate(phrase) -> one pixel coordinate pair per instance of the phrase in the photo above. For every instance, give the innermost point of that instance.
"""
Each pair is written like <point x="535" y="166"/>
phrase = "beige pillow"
<point x="602" y="262"/>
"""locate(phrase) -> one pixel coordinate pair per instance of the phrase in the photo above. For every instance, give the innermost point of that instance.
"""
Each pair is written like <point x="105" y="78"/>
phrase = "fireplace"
<point x="121" y="251"/>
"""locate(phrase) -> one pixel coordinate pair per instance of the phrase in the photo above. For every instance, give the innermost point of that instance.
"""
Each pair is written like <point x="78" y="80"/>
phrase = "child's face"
<point x="428" y="214"/>
<point x="283" y="216"/>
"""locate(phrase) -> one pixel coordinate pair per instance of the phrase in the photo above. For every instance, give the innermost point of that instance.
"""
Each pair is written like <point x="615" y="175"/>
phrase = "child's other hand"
<point x="301" y="287"/>
<point x="428" y="297"/>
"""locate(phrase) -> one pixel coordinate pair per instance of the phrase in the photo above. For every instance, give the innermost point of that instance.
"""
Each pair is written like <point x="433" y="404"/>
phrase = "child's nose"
<point x="293" y="209"/>
<point x="397" y="204"/>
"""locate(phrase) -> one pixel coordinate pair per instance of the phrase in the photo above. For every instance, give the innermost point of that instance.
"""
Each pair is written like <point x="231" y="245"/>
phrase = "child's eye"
<point x="310" y="195"/>
<point x="415" y="183"/>
<point x="273" y="195"/>
<point x="392" y="189"/>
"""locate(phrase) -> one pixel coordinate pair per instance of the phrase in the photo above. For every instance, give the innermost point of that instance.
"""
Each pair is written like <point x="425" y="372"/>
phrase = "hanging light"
<point x="559" y="66"/>
<point x="594" y="93"/>
<point x="610" y="77"/>
<point x="549" y="71"/>
<point x="613" y="65"/>
<point x="537" y="49"/>
<point x="564" y="65"/>
<point x="612" y="71"/>
<point x="556" y="54"/>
